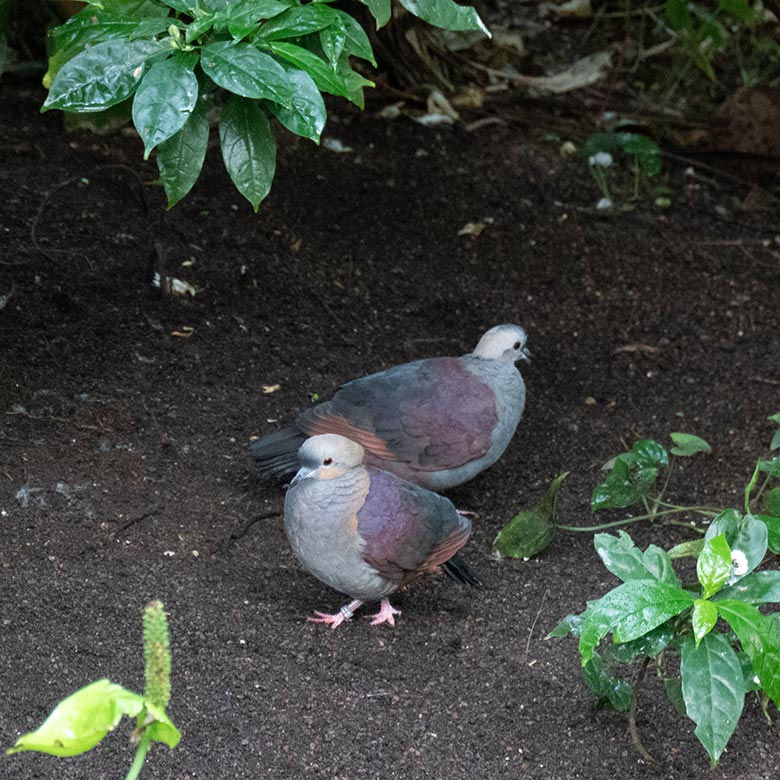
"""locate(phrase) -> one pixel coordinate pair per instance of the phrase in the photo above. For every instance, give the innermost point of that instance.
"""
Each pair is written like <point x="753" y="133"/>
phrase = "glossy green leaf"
<point x="629" y="611"/>
<point x="648" y="645"/>
<point x="200" y="26"/>
<point x="242" y="69"/>
<point x="689" y="549"/>
<point x="609" y="690"/>
<point x="571" y="624"/>
<point x="307" y="115"/>
<point x="760" y="587"/>
<point x="164" y="102"/>
<point x="87" y="29"/>
<point x="80" y="721"/>
<point x="182" y="6"/>
<point x="713" y="690"/>
<point x="770" y="466"/>
<point x="703" y="618"/>
<point x="775" y="443"/>
<point x="626" y="561"/>
<point x="744" y="533"/>
<point x="380" y="10"/>
<point x="162" y="729"/>
<point x="532" y="530"/>
<point x="324" y="76"/>
<point x="333" y="39"/>
<point x="357" y="42"/>
<point x="759" y="636"/>
<point x="772" y="523"/>
<point x="713" y="568"/>
<point x="248" y="148"/>
<point x="101" y="76"/>
<point x="245" y="17"/>
<point x="623" y="487"/>
<point x="686" y="444"/>
<point x="297" y="21"/>
<point x="446" y="14"/>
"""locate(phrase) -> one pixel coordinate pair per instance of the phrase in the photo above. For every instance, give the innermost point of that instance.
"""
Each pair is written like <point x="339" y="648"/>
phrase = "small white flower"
<point x="756" y="680"/>
<point x="604" y="203"/>
<point x="602" y="159"/>
<point x="739" y="563"/>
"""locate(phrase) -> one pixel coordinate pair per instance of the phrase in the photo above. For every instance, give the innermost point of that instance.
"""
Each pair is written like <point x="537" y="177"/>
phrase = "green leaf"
<point x="245" y="71"/>
<point x="627" y="562"/>
<point x="198" y="27"/>
<point x="80" y="721"/>
<point x="608" y="689"/>
<point x="532" y="530"/>
<point x="689" y="549"/>
<point x="164" y="102"/>
<point x="308" y="114"/>
<point x="739" y="9"/>
<point x="713" y="690"/>
<point x="743" y="533"/>
<point x="759" y="636"/>
<point x="101" y="76"/>
<point x="324" y="77"/>
<point x="380" y="10"/>
<point x="633" y="474"/>
<point x="703" y="618"/>
<point x="760" y="587"/>
<point x="571" y="624"/>
<point x="95" y="26"/>
<point x="772" y="524"/>
<point x="678" y="15"/>
<point x="647" y="154"/>
<point x="446" y="14"/>
<point x="180" y="158"/>
<point x="357" y="42"/>
<point x="333" y="39"/>
<point x="771" y="466"/>
<point x="629" y="611"/>
<point x="248" y="149"/>
<point x="648" y="645"/>
<point x="298" y="21"/>
<point x="245" y="17"/>
<point x="714" y="565"/>
<point x="688" y="444"/>
<point x="162" y="729"/>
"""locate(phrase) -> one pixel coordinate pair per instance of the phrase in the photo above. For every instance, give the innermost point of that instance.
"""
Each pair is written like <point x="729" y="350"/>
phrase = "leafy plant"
<point x="653" y="617"/>
<point x="80" y="721"/>
<point x="248" y="61"/>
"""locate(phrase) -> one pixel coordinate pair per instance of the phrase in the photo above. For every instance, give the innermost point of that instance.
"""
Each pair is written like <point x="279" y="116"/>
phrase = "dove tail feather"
<point x="277" y="453"/>
<point x="457" y="569"/>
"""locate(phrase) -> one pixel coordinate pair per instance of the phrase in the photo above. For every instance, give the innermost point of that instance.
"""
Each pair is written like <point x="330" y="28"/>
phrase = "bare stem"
<point x="632" y="713"/>
<point x="140" y="756"/>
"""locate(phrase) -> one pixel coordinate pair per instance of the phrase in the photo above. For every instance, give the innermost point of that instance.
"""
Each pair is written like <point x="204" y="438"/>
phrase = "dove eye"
<point x="516" y="345"/>
<point x="327" y="462"/>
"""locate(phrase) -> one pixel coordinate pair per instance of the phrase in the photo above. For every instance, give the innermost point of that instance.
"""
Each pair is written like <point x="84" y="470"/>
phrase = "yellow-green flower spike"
<point x="157" y="655"/>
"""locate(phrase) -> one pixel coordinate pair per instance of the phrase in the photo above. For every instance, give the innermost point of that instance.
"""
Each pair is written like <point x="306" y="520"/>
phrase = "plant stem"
<point x="657" y="499"/>
<point x="626" y="521"/>
<point x="140" y="756"/>
<point x="705" y="510"/>
<point x="763" y="485"/>
<point x="749" y="488"/>
<point x="632" y="714"/>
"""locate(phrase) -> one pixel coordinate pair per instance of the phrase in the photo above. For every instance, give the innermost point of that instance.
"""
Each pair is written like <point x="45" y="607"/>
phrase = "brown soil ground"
<point x="124" y="472"/>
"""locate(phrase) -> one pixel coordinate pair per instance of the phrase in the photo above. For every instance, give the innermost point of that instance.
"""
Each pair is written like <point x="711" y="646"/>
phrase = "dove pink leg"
<point x="335" y="620"/>
<point x="385" y="614"/>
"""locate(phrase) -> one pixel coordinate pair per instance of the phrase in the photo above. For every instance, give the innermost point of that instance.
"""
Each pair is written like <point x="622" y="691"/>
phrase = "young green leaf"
<point x="333" y="39"/>
<point x="180" y="158"/>
<point x="632" y="475"/>
<point x="609" y="690"/>
<point x="164" y="102"/>
<point x="298" y="21"/>
<point x="648" y="453"/>
<point x="446" y="14"/>
<point x="248" y="148"/>
<point x="759" y="636"/>
<point x="629" y="611"/>
<point x="760" y="587"/>
<point x="704" y="616"/>
<point x="242" y="69"/>
<point x="245" y="17"/>
<point x="687" y="444"/>
<point x="532" y="530"/>
<point x="162" y="729"/>
<point x="689" y="549"/>
<point x="102" y="76"/>
<point x="626" y="561"/>
<point x="380" y="10"/>
<point x="744" y="534"/>
<point x="713" y="690"/>
<point x="714" y="565"/>
<point x="307" y="115"/>
<point x="80" y="721"/>
<point x="357" y="42"/>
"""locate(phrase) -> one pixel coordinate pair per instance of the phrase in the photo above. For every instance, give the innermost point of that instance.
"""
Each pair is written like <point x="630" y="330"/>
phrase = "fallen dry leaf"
<point x="638" y="348"/>
<point x="185" y="332"/>
<point x="472" y="229"/>
<point x="268" y="389"/>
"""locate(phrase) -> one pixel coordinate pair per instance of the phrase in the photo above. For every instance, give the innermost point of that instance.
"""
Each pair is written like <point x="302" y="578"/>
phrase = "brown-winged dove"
<point x="436" y="422"/>
<point x="365" y="532"/>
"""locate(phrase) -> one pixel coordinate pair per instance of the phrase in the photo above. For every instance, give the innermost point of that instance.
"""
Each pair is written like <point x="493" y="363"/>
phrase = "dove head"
<point x="505" y="343"/>
<point x="328" y="456"/>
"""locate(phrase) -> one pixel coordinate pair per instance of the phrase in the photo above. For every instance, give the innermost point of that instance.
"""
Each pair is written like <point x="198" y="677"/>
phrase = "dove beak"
<point x="525" y="354"/>
<point x="302" y="474"/>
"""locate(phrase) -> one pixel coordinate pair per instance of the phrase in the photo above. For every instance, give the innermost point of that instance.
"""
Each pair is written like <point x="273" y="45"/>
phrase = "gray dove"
<point x="437" y="422"/>
<point x="366" y="532"/>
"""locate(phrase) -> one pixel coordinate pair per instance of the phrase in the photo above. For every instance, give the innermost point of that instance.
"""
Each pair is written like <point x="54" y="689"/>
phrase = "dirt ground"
<point x="124" y="470"/>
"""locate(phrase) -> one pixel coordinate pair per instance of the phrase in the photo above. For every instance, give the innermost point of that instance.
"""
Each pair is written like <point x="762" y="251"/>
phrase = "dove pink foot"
<point x="335" y="620"/>
<point x="385" y="614"/>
